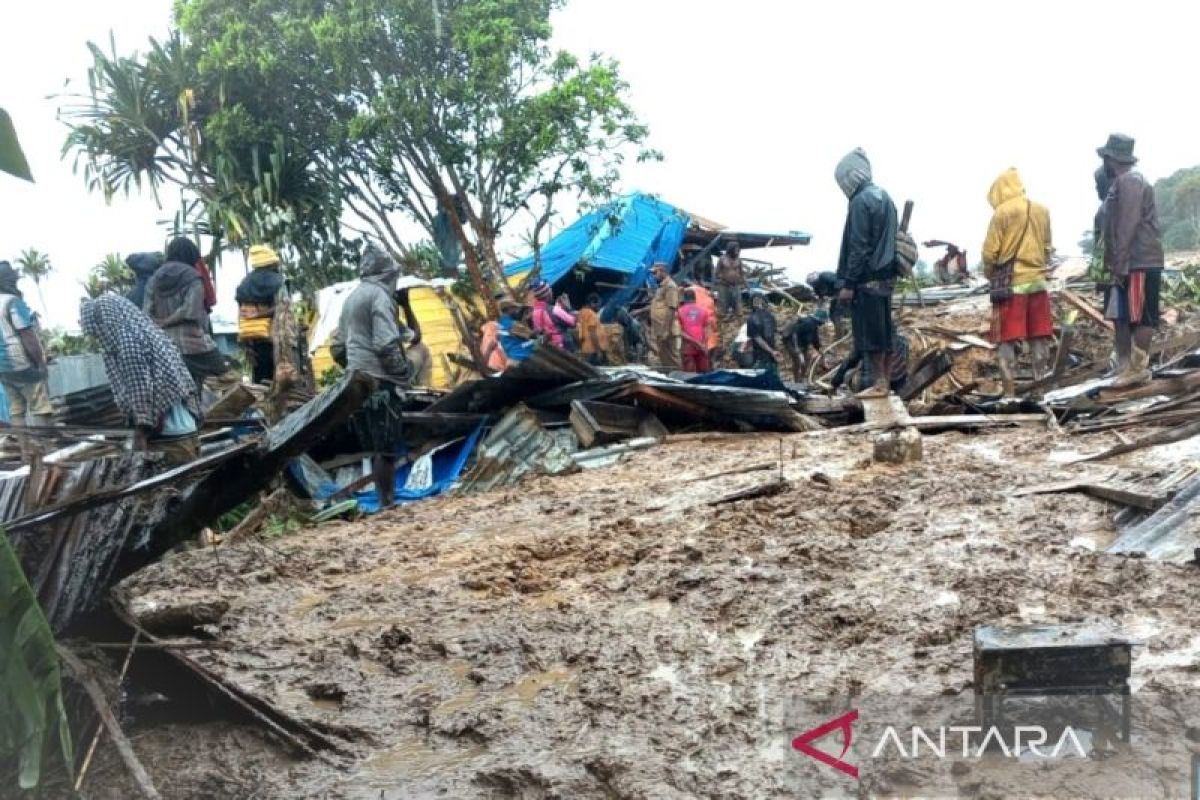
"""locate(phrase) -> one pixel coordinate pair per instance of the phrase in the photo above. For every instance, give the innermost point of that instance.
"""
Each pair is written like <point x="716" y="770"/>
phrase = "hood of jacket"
<point x="853" y="171"/>
<point x="378" y="267"/>
<point x="174" y="276"/>
<point x="1007" y="187"/>
<point x="259" y="287"/>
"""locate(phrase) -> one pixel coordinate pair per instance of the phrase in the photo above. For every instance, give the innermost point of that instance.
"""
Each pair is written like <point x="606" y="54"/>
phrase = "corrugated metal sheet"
<point x="625" y="236"/>
<point x="517" y="446"/>
<point x="547" y="368"/>
<point x="69" y="374"/>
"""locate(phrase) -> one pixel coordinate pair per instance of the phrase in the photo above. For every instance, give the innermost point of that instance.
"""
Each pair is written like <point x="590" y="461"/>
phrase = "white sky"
<point x="752" y="102"/>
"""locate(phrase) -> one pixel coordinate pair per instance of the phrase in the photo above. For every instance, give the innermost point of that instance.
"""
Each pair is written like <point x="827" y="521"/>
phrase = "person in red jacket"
<point x="695" y="322"/>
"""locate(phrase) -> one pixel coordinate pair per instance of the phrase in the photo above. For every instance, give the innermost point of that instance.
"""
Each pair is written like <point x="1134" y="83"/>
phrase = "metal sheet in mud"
<point x="516" y="447"/>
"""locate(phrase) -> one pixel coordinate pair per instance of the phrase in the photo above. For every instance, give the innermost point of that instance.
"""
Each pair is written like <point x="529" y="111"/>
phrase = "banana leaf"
<point x="31" y="703"/>
<point x="12" y="159"/>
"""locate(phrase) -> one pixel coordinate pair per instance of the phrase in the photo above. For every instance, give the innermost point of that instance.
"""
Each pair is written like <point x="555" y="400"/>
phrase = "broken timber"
<point x="1117" y="493"/>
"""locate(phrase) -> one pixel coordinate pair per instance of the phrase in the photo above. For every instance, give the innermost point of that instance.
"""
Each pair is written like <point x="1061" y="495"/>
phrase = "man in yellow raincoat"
<point x="1015" y="253"/>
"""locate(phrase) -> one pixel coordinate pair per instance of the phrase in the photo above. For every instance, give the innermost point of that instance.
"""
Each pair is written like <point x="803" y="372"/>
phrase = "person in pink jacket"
<point x="543" y="319"/>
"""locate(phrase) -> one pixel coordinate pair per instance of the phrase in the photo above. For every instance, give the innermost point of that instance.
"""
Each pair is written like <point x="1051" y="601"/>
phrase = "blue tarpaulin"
<point x="764" y="379"/>
<point x="626" y="236"/>
<point x="447" y="465"/>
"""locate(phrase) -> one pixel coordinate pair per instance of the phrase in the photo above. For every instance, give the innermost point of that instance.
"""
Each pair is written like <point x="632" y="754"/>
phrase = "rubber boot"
<point x="1138" y="372"/>
<point x="881" y="388"/>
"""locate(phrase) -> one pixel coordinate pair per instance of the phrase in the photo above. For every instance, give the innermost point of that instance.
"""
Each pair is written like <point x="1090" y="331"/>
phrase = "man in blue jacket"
<point x="866" y="273"/>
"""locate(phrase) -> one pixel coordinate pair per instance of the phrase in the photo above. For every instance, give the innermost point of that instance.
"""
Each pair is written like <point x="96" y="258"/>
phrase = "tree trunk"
<point x="482" y="286"/>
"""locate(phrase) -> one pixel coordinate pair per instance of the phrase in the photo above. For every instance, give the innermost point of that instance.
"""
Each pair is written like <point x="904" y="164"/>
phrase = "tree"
<point x="36" y="266"/>
<point x="456" y="113"/>
<point x="1177" y="198"/>
<point x="12" y="158"/>
<point x="111" y="275"/>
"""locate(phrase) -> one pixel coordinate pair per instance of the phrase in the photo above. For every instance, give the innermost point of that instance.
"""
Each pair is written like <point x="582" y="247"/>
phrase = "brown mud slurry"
<point x="608" y="634"/>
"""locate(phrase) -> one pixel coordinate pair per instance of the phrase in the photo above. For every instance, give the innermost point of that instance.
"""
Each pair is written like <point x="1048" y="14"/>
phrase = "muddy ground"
<point x="610" y="635"/>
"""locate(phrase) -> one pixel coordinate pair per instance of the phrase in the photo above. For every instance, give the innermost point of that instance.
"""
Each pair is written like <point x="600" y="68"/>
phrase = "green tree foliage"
<point x="455" y="113"/>
<point x="1087" y="242"/>
<point x="12" y="158"/>
<point x="35" y="265"/>
<point x="32" y="716"/>
<point x="1178" y="200"/>
<point x="144" y="124"/>
<point x="112" y="274"/>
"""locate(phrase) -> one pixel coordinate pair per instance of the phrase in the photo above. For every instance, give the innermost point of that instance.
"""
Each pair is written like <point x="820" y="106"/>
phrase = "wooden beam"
<point x="1088" y="310"/>
<point x="1125" y="495"/>
<point x="96" y="694"/>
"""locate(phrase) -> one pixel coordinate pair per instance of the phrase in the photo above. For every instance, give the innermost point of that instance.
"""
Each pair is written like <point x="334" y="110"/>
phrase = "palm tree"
<point x="36" y="266"/>
<point x="110" y="275"/>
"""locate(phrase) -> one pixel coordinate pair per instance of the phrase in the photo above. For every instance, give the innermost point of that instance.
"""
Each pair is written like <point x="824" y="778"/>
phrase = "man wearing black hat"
<point x="1133" y="256"/>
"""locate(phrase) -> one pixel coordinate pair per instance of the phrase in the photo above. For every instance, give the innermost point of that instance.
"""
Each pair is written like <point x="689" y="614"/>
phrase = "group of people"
<point x="157" y="344"/>
<point x="1018" y="247"/>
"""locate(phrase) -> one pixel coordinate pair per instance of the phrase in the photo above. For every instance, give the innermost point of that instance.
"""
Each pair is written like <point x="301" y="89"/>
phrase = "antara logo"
<point x="1027" y="739"/>
<point x="845" y="724"/>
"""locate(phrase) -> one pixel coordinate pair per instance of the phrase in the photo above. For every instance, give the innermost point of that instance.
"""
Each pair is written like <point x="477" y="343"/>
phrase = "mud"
<point x="608" y="634"/>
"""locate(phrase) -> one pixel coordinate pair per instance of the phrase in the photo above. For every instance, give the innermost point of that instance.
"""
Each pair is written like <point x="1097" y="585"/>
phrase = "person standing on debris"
<point x="564" y="319"/>
<point x="175" y="302"/>
<point x="1096" y="271"/>
<point x="1015" y="253"/>
<point x="866" y="270"/>
<point x="825" y="287"/>
<point x="802" y="335"/>
<point x="490" y="349"/>
<point x="143" y="266"/>
<point x="368" y="340"/>
<point x="256" y="296"/>
<point x="761" y="329"/>
<point x="591" y="332"/>
<point x="705" y="300"/>
<point x="516" y="330"/>
<point x="23" y="363"/>
<point x="543" y="316"/>
<point x="695" y="323"/>
<point x="856" y="373"/>
<point x="731" y="280"/>
<point x="664" y="320"/>
<point x="151" y="383"/>
<point x="1133" y="256"/>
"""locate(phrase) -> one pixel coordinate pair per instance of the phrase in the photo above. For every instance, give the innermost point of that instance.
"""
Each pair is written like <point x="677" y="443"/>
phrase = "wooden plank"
<point x="933" y="366"/>
<point x="769" y="489"/>
<point x="1168" y="436"/>
<point x="96" y="694"/>
<point x="1117" y="493"/>
<point x="957" y="421"/>
<point x="1086" y="308"/>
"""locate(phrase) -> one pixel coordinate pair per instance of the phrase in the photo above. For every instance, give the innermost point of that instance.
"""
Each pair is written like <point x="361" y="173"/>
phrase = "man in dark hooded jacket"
<point x="175" y="301"/>
<point x="866" y="272"/>
<point x="143" y="265"/>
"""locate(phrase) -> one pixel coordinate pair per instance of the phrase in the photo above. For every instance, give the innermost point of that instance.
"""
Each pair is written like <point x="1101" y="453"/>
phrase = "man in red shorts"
<point x="1015" y="253"/>
<point x="1133" y="256"/>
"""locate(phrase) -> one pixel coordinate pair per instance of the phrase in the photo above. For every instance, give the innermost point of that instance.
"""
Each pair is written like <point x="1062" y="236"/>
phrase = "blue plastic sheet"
<point x="627" y="236"/>
<point x="448" y="463"/>
<point x="741" y="379"/>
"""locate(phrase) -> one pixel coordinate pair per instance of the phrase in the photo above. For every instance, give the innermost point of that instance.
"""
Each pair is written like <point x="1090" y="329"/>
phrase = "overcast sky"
<point x="752" y="102"/>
